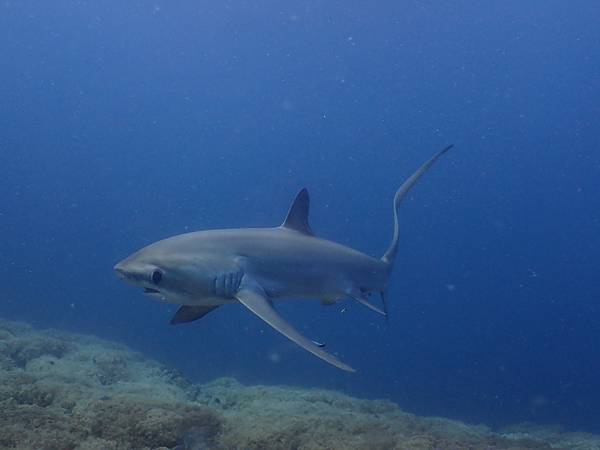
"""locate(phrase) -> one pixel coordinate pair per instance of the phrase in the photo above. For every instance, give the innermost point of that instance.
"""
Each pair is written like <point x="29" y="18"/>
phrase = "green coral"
<point x="124" y="422"/>
<point x="22" y="351"/>
<point x="142" y="423"/>
<point x="111" y="369"/>
<point x="60" y="391"/>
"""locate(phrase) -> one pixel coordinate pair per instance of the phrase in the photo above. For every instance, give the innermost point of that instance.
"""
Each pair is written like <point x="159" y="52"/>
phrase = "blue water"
<point x="122" y="123"/>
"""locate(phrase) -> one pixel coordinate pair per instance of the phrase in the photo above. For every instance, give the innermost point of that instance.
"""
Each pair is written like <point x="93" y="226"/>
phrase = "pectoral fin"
<point x="253" y="297"/>
<point x="190" y="313"/>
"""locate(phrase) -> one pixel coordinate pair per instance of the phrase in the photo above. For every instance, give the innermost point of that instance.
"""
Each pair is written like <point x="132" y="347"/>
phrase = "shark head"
<point x="172" y="277"/>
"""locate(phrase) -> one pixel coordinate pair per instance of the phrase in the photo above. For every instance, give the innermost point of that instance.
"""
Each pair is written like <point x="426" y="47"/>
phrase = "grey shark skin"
<point x="256" y="266"/>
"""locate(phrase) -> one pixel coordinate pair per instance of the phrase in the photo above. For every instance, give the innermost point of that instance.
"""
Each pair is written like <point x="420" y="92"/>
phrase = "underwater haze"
<point x="122" y="123"/>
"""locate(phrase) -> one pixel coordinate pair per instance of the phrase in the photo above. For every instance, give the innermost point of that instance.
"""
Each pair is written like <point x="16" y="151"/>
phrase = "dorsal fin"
<point x="297" y="217"/>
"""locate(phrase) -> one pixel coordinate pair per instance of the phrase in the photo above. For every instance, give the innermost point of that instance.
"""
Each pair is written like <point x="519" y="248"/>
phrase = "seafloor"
<point x="62" y="391"/>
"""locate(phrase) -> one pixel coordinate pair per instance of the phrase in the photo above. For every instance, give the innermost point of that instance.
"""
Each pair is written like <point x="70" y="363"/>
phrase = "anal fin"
<point x="328" y="301"/>
<point x="361" y="297"/>
<point x="384" y="303"/>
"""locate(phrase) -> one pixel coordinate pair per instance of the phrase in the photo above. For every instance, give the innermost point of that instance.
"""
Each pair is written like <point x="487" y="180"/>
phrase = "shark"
<point x="255" y="267"/>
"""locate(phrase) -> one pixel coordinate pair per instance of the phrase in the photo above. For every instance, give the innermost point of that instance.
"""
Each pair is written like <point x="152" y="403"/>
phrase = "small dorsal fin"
<point x="297" y="217"/>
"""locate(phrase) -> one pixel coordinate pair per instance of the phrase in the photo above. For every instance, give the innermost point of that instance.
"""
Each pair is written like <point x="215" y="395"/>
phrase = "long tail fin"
<point x="390" y="254"/>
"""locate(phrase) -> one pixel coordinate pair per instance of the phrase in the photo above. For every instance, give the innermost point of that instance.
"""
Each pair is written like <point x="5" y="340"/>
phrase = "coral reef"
<point x="63" y="391"/>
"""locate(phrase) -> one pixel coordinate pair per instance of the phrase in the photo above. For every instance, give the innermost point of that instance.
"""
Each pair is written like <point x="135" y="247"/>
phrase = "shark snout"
<point x="119" y="268"/>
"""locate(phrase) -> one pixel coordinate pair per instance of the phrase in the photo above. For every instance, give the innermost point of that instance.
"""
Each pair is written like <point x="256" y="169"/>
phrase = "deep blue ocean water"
<point x="122" y="123"/>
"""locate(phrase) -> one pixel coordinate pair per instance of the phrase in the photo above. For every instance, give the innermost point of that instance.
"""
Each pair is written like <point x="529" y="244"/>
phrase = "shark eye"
<point x="156" y="276"/>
